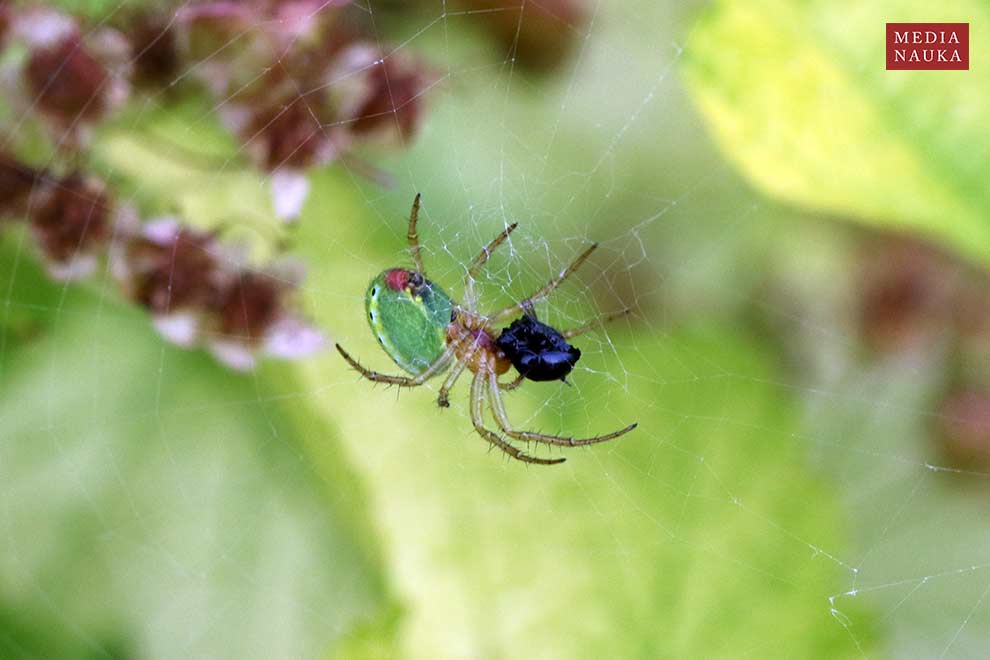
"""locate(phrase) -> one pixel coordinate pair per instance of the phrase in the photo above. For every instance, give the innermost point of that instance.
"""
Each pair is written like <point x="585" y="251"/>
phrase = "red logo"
<point x="928" y="46"/>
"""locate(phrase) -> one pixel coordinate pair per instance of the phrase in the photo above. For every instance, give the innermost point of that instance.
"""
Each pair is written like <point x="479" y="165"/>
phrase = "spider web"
<point x="607" y="149"/>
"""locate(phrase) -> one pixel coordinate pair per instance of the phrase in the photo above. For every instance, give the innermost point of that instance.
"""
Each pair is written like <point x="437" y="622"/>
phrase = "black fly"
<point x="536" y="350"/>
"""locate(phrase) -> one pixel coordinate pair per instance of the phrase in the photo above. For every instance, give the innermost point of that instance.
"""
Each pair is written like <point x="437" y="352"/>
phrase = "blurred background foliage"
<point x="811" y="119"/>
<point x="796" y="487"/>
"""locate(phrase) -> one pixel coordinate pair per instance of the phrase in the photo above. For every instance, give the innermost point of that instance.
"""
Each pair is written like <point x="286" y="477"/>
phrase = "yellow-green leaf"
<point x="797" y="95"/>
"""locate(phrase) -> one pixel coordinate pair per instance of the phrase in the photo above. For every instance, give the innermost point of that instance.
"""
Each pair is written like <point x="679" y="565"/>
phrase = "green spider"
<point x="425" y="333"/>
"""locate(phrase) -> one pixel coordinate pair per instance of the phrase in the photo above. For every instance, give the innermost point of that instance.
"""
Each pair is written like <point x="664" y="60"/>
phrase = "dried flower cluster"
<point x="198" y="291"/>
<point x="294" y="80"/>
<point x="917" y="299"/>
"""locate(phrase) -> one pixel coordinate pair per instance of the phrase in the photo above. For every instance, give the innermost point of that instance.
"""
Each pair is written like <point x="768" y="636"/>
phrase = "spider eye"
<point x="374" y="291"/>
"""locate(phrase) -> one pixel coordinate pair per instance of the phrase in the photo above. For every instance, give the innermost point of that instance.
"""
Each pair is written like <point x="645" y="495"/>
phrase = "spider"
<point x="425" y="333"/>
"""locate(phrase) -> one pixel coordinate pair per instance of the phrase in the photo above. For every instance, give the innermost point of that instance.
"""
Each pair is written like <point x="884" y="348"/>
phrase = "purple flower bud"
<point x="543" y="37"/>
<point x="212" y="27"/>
<point x="72" y="225"/>
<point x="973" y="306"/>
<point x="228" y="45"/>
<point x="199" y="293"/>
<point x="17" y="180"/>
<point x="906" y="295"/>
<point x="67" y="82"/>
<point x="250" y="306"/>
<point x="41" y="27"/>
<point x="253" y="316"/>
<point x="393" y="101"/>
<point x="301" y="24"/>
<point x="6" y="19"/>
<point x="290" y="339"/>
<point x="154" y="50"/>
<point x="289" y="188"/>
<point x="170" y="268"/>
<point x="380" y="97"/>
<point x="965" y="427"/>
<point x="288" y="135"/>
<point x="257" y="51"/>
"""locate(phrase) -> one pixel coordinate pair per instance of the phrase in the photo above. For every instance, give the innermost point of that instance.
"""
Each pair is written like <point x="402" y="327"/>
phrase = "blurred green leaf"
<point x="27" y="634"/>
<point x="372" y="640"/>
<point x="701" y="534"/>
<point x="155" y="505"/>
<point x="797" y="95"/>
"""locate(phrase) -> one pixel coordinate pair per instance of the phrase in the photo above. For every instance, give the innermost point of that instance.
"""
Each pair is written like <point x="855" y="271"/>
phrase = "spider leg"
<point x="413" y="237"/>
<point x="478" y="387"/>
<point x="443" y="398"/>
<point x="527" y="303"/>
<point x="593" y="324"/>
<point x="512" y="384"/>
<point x="479" y="262"/>
<point x="433" y="369"/>
<point x="498" y="410"/>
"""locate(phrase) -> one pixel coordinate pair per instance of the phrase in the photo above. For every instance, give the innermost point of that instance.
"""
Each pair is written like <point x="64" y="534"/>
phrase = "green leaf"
<point x="155" y="505"/>
<point x="797" y="95"/>
<point x="700" y="534"/>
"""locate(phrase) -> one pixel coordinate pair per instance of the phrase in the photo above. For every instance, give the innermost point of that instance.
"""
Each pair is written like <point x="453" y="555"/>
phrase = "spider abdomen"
<point x="409" y="315"/>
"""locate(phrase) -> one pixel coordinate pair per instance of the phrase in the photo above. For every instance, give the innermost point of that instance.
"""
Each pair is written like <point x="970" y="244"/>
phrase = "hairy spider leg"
<point x="527" y="303"/>
<point x="498" y="410"/>
<point x="431" y="370"/>
<point x="479" y="262"/>
<point x="413" y="238"/>
<point x="512" y="384"/>
<point x="591" y="325"/>
<point x="478" y="387"/>
<point x="443" y="398"/>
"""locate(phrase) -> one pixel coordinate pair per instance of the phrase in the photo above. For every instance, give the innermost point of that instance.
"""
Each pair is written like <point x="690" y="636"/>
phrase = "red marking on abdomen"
<point x="397" y="279"/>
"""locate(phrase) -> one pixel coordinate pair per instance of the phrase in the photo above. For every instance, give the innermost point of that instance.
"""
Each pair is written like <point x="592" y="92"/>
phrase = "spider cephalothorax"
<point x="426" y="333"/>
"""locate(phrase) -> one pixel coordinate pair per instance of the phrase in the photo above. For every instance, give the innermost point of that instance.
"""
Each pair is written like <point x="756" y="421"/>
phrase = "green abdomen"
<point x="410" y="323"/>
